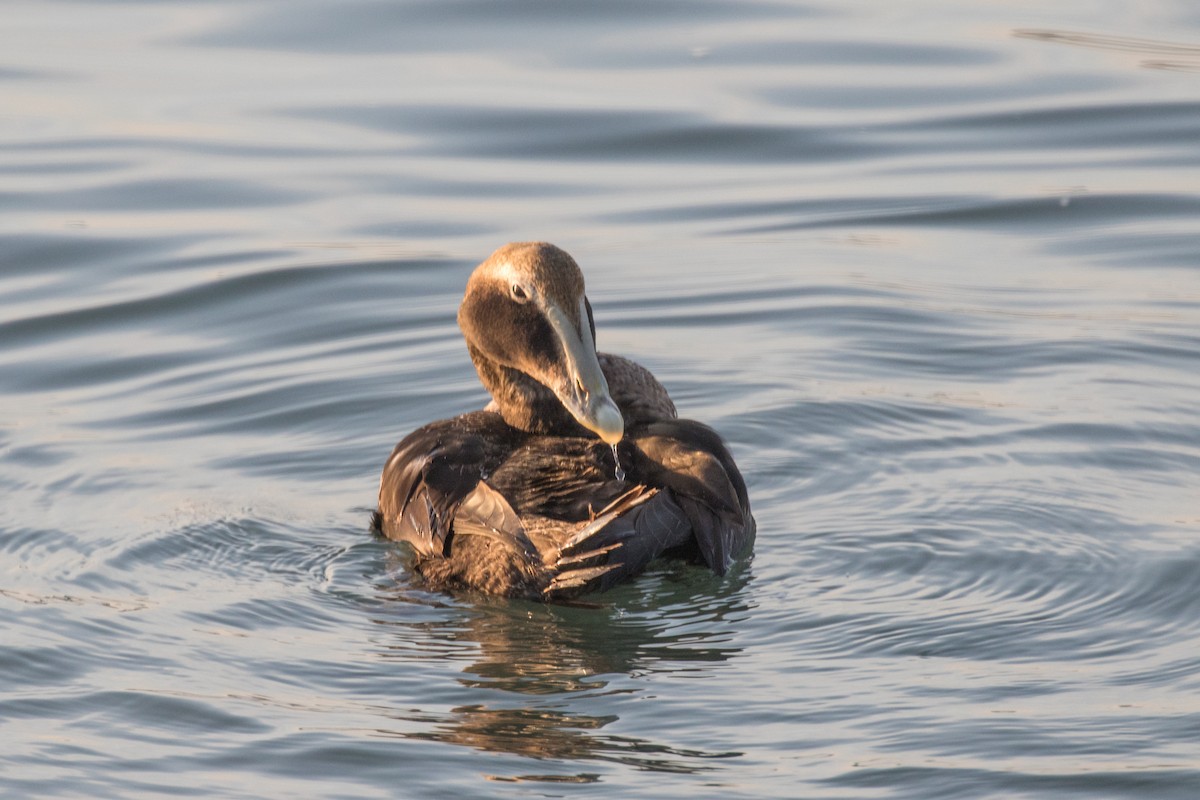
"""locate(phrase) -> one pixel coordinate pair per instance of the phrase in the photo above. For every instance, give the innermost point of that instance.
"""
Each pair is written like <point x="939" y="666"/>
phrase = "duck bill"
<point x="582" y="388"/>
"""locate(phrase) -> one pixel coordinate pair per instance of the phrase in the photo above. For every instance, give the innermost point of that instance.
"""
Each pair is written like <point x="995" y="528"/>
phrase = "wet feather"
<point x="523" y="497"/>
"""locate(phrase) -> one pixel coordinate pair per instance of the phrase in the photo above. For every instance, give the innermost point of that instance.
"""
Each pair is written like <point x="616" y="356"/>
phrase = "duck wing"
<point x="632" y="531"/>
<point x="490" y="508"/>
<point x="690" y="461"/>
<point x="689" y="497"/>
<point x="432" y="485"/>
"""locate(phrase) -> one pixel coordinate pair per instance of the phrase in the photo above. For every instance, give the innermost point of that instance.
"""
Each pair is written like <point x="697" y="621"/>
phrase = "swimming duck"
<point x="578" y="472"/>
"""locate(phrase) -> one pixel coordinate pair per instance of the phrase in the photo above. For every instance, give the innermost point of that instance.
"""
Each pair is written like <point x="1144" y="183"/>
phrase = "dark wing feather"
<point x="618" y="544"/>
<point x="485" y="512"/>
<point x="492" y="508"/>
<point x="431" y="473"/>
<point x="691" y="460"/>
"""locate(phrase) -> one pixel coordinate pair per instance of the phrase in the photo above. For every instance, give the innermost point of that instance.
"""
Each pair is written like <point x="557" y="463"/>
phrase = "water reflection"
<point x="541" y="734"/>
<point x="548" y="678"/>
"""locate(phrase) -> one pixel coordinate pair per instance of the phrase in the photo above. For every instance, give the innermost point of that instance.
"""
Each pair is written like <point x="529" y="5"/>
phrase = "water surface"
<point x="931" y="270"/>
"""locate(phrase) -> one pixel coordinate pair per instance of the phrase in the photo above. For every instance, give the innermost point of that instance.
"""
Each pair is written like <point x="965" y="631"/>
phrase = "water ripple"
<point x="933" y="278"/>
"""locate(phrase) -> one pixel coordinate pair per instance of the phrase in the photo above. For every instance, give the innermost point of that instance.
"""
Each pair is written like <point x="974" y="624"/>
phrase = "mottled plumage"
<point x="524" y="498"/>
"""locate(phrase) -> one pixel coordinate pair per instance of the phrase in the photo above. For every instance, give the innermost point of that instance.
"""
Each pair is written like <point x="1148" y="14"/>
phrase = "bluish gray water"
<point x="932" y="268"/>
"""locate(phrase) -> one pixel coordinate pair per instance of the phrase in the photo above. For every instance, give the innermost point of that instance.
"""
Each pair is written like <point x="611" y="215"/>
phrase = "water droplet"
<point x="617" y="460"/>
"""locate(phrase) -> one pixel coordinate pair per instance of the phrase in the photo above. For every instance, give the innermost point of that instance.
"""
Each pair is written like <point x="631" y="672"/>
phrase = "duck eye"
<point x="518" y="293"/>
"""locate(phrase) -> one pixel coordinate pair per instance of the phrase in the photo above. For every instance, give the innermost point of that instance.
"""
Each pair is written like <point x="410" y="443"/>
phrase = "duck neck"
<point x="524" y="403"/>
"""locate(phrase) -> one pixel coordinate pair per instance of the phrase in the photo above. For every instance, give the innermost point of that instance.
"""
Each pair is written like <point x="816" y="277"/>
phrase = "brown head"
<point x="529" y="328"/>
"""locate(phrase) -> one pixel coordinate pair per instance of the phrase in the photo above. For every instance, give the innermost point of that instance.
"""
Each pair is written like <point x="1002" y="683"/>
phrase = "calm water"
<point x="933" y="270"/>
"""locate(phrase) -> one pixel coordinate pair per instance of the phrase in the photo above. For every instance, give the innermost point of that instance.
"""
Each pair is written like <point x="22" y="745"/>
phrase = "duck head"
<point x="530" y="332"/>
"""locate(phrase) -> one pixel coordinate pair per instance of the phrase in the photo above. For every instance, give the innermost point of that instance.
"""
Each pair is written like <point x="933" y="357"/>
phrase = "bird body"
<point x="577" y="474"/>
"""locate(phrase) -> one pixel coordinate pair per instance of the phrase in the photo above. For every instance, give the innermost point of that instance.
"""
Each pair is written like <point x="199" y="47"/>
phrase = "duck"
<point x="576" y="475"/>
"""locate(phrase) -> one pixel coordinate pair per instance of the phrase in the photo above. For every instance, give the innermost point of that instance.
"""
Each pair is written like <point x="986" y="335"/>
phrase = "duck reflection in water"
<point x="578" y="473"/>
<point x="571" y="664"/>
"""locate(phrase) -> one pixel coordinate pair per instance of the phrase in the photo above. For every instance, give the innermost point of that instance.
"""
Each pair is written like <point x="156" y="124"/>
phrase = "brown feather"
<point x="519" y="499"/>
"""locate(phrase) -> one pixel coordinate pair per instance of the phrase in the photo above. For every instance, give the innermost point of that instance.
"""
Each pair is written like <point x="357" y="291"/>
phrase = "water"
<point x="617" y="471"/>
<point x="932" y="270"/>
